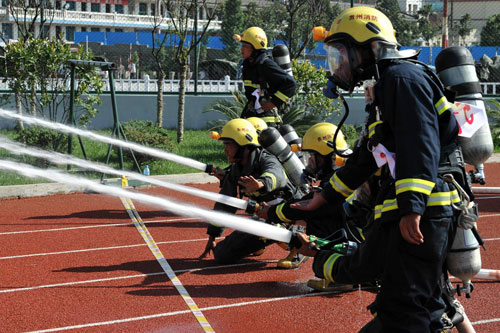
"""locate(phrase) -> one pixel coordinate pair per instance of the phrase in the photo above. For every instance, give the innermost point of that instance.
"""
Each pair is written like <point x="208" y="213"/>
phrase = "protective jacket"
<point x="262" y="166"/>
<point x="416" y="133"/>
<point x="415" y="122"/>
<point x="265" y="78"/>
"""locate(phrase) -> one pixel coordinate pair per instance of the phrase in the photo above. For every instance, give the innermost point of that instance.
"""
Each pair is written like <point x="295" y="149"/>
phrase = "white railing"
<point x="99" y="19"/>
<point x="208" y="86"/>
<point x="151" y="85"/>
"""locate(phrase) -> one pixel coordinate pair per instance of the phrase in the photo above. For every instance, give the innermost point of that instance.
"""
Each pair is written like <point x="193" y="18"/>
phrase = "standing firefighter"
<point x="415" y="135"/>
<point x="254" y="173"/>
<point x="267" y="86"/>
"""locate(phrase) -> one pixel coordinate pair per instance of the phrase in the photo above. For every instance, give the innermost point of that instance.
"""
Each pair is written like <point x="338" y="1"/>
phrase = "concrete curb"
<point x="36" y="190"/>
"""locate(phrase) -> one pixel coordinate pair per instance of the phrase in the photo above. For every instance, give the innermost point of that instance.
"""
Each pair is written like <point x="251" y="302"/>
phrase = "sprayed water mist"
<point x="91" y="135"/>
<point x="61" y="159"/>
<point x="226" y="220"/>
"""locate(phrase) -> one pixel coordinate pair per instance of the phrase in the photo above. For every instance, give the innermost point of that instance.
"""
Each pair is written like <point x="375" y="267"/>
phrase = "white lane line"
<point x="482" y="198"/>
<point x="486" y="321"/>
<point x="96" y="226"/>
<point x="98" y="249"/>
<point x="491" y="239"/>
<point x="173" y="313"/>
<point x="488" y="215"/>
<point x="189" y="270"/>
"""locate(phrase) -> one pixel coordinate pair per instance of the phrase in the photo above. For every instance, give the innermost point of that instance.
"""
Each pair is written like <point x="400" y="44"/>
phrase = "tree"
<point x="183" y="43"/>
<point x="490" y="35"/>
<point x="38" y="71"/>
<point x="402" y="25"/>
<point x="232" y="22"/>
<point x="463" y="27"/>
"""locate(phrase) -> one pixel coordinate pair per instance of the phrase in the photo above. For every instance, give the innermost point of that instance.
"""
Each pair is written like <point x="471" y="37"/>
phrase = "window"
<point x="58" y="4"/>
<point x="119" y="9"/>
<point x="95" y="7"/>
<point x="70" y="34"/>
<point x="118" y="30"/>
<point x="84" y="29"/>
<point x="143" y="8"/>
<point x="84" y="6"/>
<point x="108" y="8"/>
<point x="70" y="5"/>
<point x="7" y="30"/>
<point x="153" y="9"/>
<point x="95" y="29"/>
<point x="58" y="31"/>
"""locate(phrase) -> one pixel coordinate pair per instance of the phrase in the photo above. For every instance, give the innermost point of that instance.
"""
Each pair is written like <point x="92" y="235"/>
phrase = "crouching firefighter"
<point x="268" y="88"/>
<point x="413" y="210"/>
<point x="253" y="173"/>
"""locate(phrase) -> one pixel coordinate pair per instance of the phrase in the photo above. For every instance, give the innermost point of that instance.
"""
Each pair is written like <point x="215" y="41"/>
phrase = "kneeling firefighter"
<point x="320" y="162"/>
<point x="253" y="173"/>
<point x="412" y="135"/>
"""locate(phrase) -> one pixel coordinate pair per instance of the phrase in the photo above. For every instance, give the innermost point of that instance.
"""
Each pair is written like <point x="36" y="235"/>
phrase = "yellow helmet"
<point x="254" y="36"/>
<point x="258" y="123"/>
<point x="362" y="25"/>
<point x="240" y="131"/>
<point x="317" y="137"/>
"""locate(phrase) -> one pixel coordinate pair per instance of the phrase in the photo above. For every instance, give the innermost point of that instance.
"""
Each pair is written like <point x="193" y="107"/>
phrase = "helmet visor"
<point x="338" y="62"/>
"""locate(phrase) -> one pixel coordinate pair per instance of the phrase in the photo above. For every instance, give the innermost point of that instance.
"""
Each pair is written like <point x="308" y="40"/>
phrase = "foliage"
<point x="463" y="27"/>
<point x="402" y="25"/>
<point x="38" y="71"/>
<point x="232" y="22"/>
<point x="493" y="111"/>
<point x="310" y="83"/>
<point x="490" y="34"/>
<point x="427" y="29"/>
<point x="43" y="138"/>
<point x="147" y="134"/>
<point x="230" y="109"/>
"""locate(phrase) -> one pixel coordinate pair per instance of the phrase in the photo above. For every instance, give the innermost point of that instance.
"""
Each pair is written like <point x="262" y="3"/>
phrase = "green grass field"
<point x="196" y="145"/>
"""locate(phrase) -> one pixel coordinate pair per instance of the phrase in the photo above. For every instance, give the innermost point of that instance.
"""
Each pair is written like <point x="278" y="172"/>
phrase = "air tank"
<point x="464" y="258"/>
<point x="455" y="68"/>
<point x="288" y="133"/>
<point x="271" y="140"/>
<point x="281" y="56"/>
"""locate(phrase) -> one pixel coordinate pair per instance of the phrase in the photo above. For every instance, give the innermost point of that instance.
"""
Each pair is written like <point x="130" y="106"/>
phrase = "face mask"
<point x="340" y="66"/>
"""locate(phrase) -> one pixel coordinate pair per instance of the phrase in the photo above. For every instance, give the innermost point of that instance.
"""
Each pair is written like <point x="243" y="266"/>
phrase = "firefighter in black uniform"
<point x="268" y="88"/>
<point x="413" y="215"/>
<point x="253" y="173"/>
<point x="320" y="161"/>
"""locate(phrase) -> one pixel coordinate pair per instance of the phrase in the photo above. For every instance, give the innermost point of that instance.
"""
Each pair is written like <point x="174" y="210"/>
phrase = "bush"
<point x="43" y="138"/>
<point x="146" y="133"/>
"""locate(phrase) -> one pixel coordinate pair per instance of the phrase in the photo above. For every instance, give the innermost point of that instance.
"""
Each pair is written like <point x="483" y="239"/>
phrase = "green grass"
<point x="196" y="145"/>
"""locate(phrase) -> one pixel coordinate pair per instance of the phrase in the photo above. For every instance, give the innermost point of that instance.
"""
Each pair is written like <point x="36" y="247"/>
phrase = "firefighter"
<point x="254" y="173"/>
<point x="414" y="137"/>
<point x="268" y="88"/>
<point x="258" y="123"/>
<point x="320" y="161"/>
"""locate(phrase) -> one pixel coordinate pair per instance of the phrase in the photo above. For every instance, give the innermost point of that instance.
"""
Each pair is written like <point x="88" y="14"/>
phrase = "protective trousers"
<point x="410" y="296"/>
<point x="237" y="246"/>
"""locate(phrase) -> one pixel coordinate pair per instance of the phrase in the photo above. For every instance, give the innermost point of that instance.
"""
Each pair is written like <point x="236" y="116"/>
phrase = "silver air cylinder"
<point x="288" y="133"/>
<point x="274" y="143"/>
<point x="455" y="68"/>
<point x="282" y="57"/>
<point x="464" y="258"/>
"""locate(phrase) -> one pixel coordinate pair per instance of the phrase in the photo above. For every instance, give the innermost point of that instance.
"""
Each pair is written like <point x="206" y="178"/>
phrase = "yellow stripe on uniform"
<point x="435" y="199"/>
<point x="414" y="184"/>
<point x="144" y="232"/>
<point x="281" y="96"/>
<point x="271" y="119"/>
<point x="327" y="267"/>
<point x="371" y="128"/>
<point x="442" y="105"/>
<point x="279" y="213"/>
<point x="248" y="83"/>
<point x="273" y="178"/>
<point x="339" y="186"/>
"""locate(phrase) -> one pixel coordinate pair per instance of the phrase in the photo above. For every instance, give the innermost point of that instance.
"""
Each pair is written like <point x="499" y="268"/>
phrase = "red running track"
<point x="76" y="262"/>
